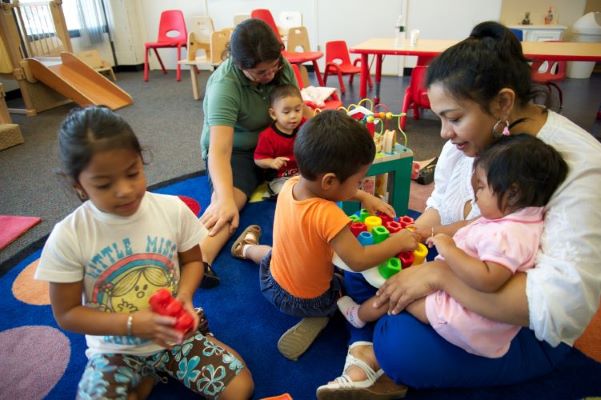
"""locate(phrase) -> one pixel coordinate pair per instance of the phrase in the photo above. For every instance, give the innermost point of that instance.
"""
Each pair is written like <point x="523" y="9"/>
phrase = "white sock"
<point x="350" y="311"/>
<point x="245" y="249"/>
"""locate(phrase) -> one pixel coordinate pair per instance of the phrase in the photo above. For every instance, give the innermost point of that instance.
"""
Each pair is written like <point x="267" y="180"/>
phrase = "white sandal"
<point x="343" y="387"/>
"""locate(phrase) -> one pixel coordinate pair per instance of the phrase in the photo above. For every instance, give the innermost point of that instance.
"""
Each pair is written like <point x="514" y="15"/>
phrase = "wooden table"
<point x="557" y="51"/>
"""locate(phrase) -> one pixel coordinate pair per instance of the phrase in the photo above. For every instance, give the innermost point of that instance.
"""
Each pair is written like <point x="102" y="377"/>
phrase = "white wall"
<point x="350" y="20"/>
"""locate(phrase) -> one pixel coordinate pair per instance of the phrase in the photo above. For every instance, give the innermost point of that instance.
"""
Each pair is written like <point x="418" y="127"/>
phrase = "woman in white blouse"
<point x="479" y="88"/>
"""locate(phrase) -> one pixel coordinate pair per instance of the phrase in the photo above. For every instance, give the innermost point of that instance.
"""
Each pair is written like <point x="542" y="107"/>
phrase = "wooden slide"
<point x="74" y="79"/>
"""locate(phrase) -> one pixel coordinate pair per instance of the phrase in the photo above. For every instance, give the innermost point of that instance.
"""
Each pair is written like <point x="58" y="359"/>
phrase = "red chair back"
<point x="172" y="27"/>
<point x="417" y="85"/>
<point x="337" y="52"/>
<point x="297" y="74"/>
<point x="265" y="15"/>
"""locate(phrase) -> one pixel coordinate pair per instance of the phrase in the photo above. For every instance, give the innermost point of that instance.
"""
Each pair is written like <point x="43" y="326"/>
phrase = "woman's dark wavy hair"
<point x="522" y="170"/>
<point x="478" y="67"/>
<point x="252" y="43"/>
<point x="86" y="131"/>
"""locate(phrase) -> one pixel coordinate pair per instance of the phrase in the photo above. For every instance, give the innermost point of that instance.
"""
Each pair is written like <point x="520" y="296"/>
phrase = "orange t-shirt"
<point x="301" y="259"/>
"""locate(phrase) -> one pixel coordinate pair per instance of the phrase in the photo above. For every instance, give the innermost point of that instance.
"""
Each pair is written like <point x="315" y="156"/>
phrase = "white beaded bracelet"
<point x="130" y="322"/>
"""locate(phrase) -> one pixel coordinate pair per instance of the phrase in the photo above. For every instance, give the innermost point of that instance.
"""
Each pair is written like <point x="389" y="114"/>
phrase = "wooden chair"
<point x="92" y="58"/>
<point x="298" y="50"/>
<point x="338" y="61"/>
<point x="172" y="34"/>
<point x="208" y="60"/>
<point x="202" y="26"/>
<point x="240" y="17"/>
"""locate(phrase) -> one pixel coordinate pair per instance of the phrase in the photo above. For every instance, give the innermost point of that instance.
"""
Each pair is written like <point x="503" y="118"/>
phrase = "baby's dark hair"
<point x="478" y="67"/>
<point x="252" y="43"/>
<point x="284" y="91"/>
<point x="87" y="131"/>
<point x="333" y="142"/>
<point x="522" y="169"/>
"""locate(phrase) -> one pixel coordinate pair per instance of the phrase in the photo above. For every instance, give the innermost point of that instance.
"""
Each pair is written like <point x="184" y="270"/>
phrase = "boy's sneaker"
<point x="296" y="340"/>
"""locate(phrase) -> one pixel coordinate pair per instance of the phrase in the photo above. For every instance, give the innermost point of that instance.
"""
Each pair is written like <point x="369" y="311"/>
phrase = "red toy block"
<point x="405" y="221"/>
<point x="407" y="258"/>
<point x="357" y="228"/>
<point x="393" y="226"/>
<point x="384" y="217"/>
<point x="162" y="302"/>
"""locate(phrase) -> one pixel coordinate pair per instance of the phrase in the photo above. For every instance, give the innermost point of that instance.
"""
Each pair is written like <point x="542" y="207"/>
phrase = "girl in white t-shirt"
<point x="106" y="259"/>
<point x="512" y="180"/>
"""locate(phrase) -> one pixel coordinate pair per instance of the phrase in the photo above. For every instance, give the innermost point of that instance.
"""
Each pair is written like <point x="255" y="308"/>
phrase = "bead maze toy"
<point x="373" y="229"/>
<point x="162" y="302"/>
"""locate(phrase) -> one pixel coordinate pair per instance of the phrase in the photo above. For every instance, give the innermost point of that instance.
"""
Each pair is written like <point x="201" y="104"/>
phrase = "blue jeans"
<point x="412" y="353"/>
<point x="321" y="306"/>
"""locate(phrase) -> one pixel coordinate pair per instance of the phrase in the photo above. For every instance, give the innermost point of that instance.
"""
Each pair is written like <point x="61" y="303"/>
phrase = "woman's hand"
<point x="409" y="285"/>
<point x="219" y="214"/>
<point x="156" y="327"/>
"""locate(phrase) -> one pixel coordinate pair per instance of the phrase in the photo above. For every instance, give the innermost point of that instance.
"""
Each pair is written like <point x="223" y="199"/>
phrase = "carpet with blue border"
<point x="39" y="360"/>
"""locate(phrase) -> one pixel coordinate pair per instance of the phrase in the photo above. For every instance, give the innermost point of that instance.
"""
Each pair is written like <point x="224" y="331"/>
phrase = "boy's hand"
<point x="279" y="162"/>
<point x="374" y="204"/>
<point x="156" y="327"/>
<point x="406" y="239"/>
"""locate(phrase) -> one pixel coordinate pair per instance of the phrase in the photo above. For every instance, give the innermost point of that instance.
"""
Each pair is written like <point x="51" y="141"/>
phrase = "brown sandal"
<point x="238" y="246"/>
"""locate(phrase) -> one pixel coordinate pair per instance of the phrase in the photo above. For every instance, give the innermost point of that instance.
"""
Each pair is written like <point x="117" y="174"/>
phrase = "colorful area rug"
<point x="39" y="360"/>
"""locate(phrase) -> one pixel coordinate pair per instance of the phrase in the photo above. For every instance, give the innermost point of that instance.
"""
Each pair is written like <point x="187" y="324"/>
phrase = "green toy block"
<point x="390" y="267"/>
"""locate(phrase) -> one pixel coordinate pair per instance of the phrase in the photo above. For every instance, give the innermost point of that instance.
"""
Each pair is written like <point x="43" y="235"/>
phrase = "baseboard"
<point x="129" y="68"/>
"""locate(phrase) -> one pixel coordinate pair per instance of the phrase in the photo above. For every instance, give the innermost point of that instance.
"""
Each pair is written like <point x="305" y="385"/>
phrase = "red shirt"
<point x="274" y="143"/>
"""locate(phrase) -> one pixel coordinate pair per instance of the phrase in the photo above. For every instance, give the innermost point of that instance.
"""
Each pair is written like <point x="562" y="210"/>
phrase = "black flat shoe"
<point x="210" y="278"/>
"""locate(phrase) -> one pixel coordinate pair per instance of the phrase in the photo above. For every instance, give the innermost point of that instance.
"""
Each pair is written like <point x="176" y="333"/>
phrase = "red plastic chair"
<point x="546" y="73"/>
<point x="338" y="61"/>
<point x="416" y="94"/>
<point x="172" y="33"/>
<point x="265" y="15"/>
<point x="332" y="103"/>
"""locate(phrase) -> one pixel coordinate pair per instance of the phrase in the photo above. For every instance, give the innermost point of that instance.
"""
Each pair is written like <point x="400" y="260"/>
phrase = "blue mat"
<point x="240" y="316"/>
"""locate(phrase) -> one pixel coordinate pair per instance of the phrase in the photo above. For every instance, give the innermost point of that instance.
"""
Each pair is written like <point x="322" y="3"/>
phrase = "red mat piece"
<point x="190" y="202"/>
<point x="13" y="226"/>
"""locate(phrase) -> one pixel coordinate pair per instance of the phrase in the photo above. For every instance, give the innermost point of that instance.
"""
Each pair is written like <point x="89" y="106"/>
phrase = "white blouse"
<point x="564" y="289"/>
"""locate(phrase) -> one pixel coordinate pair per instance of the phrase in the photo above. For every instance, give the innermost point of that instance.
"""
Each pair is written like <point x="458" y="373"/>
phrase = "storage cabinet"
<point x="540" y="33"/>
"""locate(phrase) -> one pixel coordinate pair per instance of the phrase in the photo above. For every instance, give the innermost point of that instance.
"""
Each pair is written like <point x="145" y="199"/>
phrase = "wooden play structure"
<point x="10" y="134"/>
<point x="36" y="51"/>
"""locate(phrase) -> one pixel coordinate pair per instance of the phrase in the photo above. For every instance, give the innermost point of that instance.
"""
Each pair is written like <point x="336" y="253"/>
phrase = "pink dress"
<point x="511" y="241"/>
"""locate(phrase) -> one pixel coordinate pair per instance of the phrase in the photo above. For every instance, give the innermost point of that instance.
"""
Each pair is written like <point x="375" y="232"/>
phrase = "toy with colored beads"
<point x="373" y="229"/>
<point x="378" y="119"/>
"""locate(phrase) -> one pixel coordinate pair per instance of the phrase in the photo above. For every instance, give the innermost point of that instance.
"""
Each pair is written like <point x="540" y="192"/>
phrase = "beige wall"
<point x="592" y="5"/>
<point x="566" y="12"/>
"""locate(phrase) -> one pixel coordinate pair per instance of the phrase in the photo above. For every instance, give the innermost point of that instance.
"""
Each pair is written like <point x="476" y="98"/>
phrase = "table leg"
<point x="318" y="73"/>
<point x="378" y="78"/>
<point x="364" y="72"/>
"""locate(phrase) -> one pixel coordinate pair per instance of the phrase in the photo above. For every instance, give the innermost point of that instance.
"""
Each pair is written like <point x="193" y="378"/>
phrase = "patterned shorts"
<point x="200" y="364"/>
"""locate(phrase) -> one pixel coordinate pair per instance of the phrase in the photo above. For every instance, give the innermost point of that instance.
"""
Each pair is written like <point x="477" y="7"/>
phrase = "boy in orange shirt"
<point x="333" y="153"/>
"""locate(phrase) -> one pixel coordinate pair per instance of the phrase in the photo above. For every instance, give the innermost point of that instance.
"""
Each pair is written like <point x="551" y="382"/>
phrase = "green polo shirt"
<point x="231" y="99"/>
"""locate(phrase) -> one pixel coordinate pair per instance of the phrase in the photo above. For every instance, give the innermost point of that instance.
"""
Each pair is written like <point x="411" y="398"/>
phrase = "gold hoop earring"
<point x="504" y="131"/>
<point x="81" y="194"/>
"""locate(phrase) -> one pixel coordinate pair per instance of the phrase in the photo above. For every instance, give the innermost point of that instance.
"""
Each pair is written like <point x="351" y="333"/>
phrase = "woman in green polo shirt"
<point x="235" y="108"/>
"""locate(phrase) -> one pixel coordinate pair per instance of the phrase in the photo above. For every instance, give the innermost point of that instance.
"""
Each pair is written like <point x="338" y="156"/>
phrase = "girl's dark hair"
<point x="478" y="67"/>
<point x="333" y="142"/>
<point x="86" y="131"/>
<point x="283" y="91"/>
<point x="252" y="43"/>
<point x="522" y="170"/>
